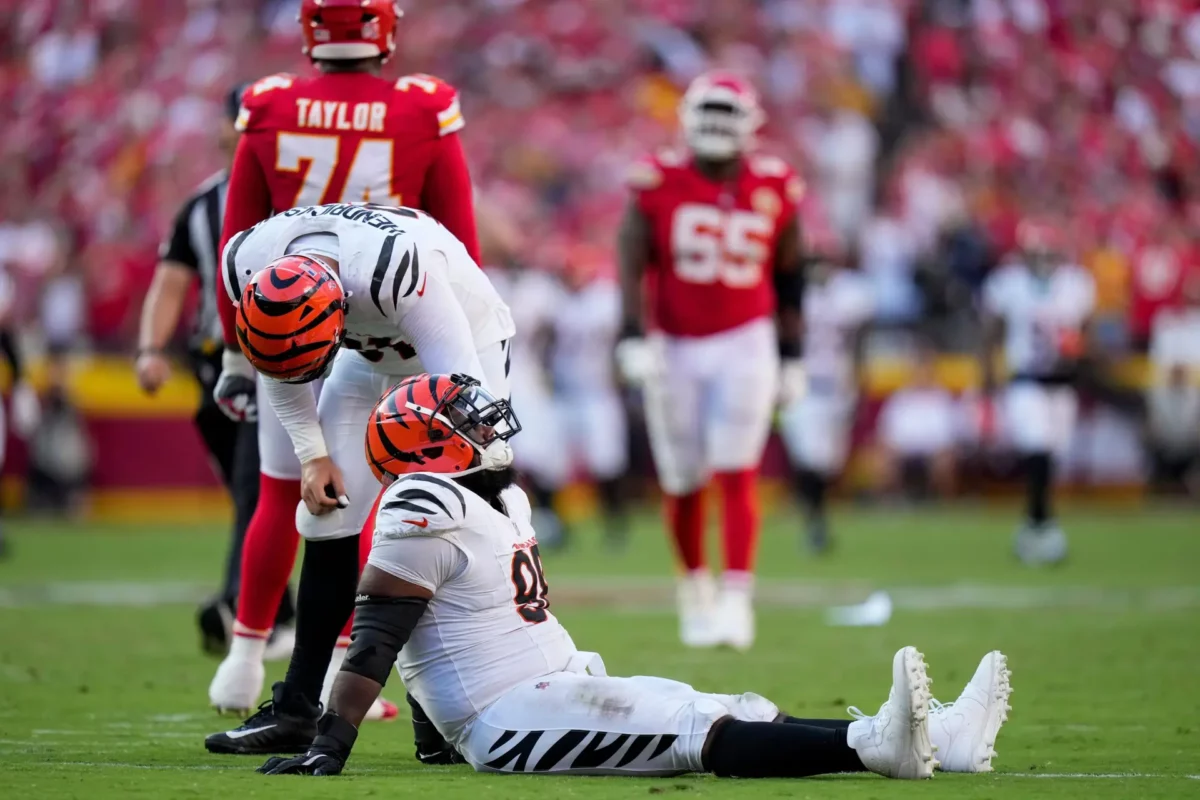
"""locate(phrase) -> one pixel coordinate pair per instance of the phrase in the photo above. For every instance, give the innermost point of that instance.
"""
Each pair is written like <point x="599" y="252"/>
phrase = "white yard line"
<point x="1095" y="775"/>
<point x="633" y="595"/>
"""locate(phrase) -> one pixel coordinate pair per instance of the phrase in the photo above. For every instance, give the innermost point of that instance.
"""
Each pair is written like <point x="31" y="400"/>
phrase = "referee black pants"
<point x="233" y="447"/>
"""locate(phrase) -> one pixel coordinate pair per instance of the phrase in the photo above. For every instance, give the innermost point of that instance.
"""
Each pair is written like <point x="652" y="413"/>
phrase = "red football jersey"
<point x="349" y="137"/>
<point x="713" y="243"/>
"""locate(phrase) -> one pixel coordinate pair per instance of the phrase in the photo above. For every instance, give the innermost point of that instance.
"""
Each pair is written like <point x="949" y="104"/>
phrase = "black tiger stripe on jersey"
<point x="559" y="750"/>
<point x="418" y="496"/>
<point x="407" y="506"/>
<point x="416" y="272"/>
<point x="231" y="262"/>
<point x="398" y="278"/>
<point x="443" y="483"/>
<point x="520" y="752"/>
<point x="381" y="268"/>
<point x="640" y="743"/>
<point x="503" y="740"/>
<point x="595" y="754"/>
<point x="666" y="741"/>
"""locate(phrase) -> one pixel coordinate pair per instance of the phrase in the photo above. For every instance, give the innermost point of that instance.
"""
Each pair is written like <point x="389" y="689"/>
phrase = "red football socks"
<point x="268" y="554"/>
<point x="685" y="517"/>
<point x="740" y="519"/>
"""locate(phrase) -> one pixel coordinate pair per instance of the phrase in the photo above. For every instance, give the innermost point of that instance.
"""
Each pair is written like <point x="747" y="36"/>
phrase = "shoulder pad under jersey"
<point x="644" y="175"/>
<point x="258" y="98"/>
<point x="768" y="166"/>
<point x="439" y="97"/>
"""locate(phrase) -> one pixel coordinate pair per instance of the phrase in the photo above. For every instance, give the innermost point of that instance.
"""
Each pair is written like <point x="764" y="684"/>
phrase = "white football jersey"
<point x="404" y="274"/>
<point x="489" y="624"/>
<point x="833" y="311"/>
<point x="586" y="324"/>
<point x="1037" y="311"/>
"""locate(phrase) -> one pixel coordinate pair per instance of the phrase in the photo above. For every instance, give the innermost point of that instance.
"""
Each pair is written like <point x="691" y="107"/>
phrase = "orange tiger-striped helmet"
<point x="439" y="423"/>
<point x="292" y="318"/>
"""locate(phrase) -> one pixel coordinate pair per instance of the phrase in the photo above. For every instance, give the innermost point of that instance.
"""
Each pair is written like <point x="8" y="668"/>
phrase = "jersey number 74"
<point x="316" y="158"/>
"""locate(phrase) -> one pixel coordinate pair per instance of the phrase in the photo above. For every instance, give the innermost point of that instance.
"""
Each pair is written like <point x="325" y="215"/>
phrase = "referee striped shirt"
<point x="195" y="237"/>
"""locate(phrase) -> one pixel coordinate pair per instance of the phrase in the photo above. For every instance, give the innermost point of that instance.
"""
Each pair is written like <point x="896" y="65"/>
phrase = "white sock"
<point x="857" y="729"/>
<point x="247" y="648"/>
<point x="736" y="581"/>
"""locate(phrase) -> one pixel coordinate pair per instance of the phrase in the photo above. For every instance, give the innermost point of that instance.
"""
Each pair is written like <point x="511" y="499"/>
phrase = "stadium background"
<point x="960" y="116"/>
<point x="925" y="131"/>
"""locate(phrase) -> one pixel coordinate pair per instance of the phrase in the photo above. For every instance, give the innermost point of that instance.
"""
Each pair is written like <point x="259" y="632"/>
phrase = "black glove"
<point x="236" y="389"/>
<point x="432" y="749"/>
<point x="326" y="755"/>
<point x="440" y="758"/>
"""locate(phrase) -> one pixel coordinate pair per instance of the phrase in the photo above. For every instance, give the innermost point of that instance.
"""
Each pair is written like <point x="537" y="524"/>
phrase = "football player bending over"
<point x="404" y="296"/>
<point x="455" y="596"/>
<point x="340" y="132"/>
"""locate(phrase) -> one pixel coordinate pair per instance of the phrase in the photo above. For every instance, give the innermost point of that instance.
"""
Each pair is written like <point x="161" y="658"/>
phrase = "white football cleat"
<point x="236" y="687"/>
<point x="696" y="600"/>
<point x="964" y="732"/>
<point x="1044" y="545"/>
<point x="280" y="645"/>
<point x="382" y="711"/>
<point x="895" y="742"/>
<point x="734" y="618"/>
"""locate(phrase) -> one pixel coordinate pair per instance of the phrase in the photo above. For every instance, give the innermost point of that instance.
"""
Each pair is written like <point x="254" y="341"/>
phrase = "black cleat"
<point x="215" y="620"/>
<point x="287" y="723"/>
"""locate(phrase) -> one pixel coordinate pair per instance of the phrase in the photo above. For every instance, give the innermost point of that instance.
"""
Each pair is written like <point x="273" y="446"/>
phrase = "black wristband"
<point x="335" y="734"/>
<point x="788" y="349"/>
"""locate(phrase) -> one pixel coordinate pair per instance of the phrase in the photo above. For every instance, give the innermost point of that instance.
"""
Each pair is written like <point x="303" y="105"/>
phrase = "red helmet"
<point x="291" y="319"/>
<point x="439" y="423"/>
<point x="337" y="30"/>
<point x="720" y="114"/>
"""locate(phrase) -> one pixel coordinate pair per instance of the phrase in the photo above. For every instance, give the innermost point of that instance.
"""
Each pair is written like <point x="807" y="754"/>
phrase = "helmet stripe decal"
<point x="329" y="311"/>
<point x="381" y="268"/>
<point x="280" y="282"/>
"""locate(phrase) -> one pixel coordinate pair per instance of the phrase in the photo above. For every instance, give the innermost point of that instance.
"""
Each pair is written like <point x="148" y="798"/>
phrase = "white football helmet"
<point x="720" y="115"/>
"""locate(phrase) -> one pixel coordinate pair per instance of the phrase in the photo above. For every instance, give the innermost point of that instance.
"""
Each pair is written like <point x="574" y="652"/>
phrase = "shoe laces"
<point x="265" y="708"/>
<point x="938" y="707"/>
<point x="877" y="720"/>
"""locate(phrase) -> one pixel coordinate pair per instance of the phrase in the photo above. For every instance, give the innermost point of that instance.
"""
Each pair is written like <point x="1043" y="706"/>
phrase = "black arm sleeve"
<point x="381" y="627"/>
<point x="8" y="348"/>
<point x="178" y="246"/>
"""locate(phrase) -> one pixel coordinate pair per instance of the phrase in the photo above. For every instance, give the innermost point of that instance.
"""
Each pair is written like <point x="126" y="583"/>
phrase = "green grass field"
<point x="103" y="687"/>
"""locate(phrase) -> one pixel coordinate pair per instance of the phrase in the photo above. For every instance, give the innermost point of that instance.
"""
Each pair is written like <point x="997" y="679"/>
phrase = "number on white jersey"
<point x="316" y="157"/>
<point x="530" y="583"/>
<point x="715" y="246"/>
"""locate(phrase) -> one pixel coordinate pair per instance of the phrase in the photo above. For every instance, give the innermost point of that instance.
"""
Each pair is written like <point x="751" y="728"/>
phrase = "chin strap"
<point x="495" y="456"/>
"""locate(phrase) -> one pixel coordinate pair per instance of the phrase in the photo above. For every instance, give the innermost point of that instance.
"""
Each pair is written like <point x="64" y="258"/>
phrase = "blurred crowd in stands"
<point x="926" y="130"/>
